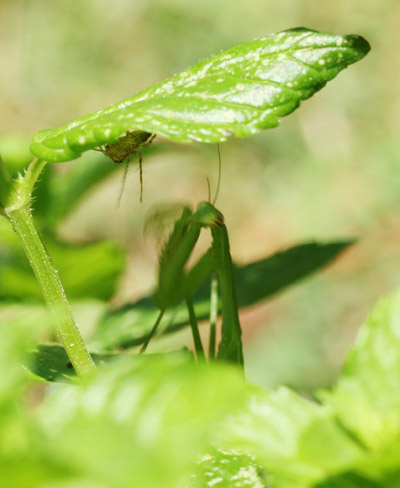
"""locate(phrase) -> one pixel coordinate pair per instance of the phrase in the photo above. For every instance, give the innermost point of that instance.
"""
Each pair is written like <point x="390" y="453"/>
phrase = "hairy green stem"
<point x="15" y="199"/>
<point x="32" y="174"/>
<point x="52" y="289"/>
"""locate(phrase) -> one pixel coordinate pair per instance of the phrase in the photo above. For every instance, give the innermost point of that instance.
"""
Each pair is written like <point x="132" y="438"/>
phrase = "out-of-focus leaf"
<point x="89" y="271"/>
<point x="228" y="469"/>
<point x="8" y="238"/>
<point x="140" y="423"/>
<point x="235" y="93"/>
<point x="14" y="150"/>
<point x="298" y="442"/>
<point x="14" y="340"/>
<point x="32" y="316"/>
<point x="349" y="480"/>
<point x="264" y="278"/>
<point x="257" y="281"/>
<point x="130" y="325"/>
<point x="367" y="395"/>
<point x="16" y="464"/>
<point x="86" y="271"/>
<point x="49" y="362"/>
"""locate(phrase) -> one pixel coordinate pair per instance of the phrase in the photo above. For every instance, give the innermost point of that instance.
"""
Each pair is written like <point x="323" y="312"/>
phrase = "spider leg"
<point x="123" y="181"/>
<point x="149" y="140"/>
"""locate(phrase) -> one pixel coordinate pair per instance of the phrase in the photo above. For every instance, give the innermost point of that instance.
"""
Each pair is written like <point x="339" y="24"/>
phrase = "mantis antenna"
<point x="203" y="160"/>
<point x="208" y="179"/>
<point x="219" y="176"/>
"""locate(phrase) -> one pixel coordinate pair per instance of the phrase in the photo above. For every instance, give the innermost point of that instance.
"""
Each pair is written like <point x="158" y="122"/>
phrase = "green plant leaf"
<point x="299" y="443"/>
<point x="228" y="469"/>
<point x="349" y="480"/>
<point x="14" y="150"/>
<point x="49" y="361"/>
<point x="87" y="271"/>
<point x="140" y="423"/>
<point x="91" y="270"/>
<point x="235" y="93"/>
<point x="130" y="325"/>
<point x="367" y="395"/>
<point x="261" y="279"/>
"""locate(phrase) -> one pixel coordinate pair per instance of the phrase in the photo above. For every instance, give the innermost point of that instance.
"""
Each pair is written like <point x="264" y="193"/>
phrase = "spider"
<point x="126" y="146"/>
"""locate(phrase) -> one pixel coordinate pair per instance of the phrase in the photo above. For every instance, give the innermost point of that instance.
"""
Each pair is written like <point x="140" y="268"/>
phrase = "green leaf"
<point x="367" y="395"/>
<point x="254" y="282"/>
<point x="15" y="458"/>
<point x="235" y="93"/>
<point x="298" y="442"/>
<point x="49" y="362"/>
<point x="349" y="480"/>
<point x="140" y="423"/>
<point x="261" y="279"/>
<point x="90" y="270"/>
<point x="86" y="271"/>
<point x="14" y="340"/>
<point x="228" y="469"/>
<point x="14" y="150"/>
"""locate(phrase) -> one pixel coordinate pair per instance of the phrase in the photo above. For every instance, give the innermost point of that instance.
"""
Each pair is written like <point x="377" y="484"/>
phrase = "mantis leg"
<point x="195" y="329"/>
<point x="152" y="332"/>
<point x="140" y="158"/>
<point x="213" y="316"/>
<point x="230" y="348"/>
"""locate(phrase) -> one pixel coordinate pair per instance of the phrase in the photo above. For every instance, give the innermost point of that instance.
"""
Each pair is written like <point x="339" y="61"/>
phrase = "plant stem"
<point x="32" y="174"/>
<point x="52" y="289"/>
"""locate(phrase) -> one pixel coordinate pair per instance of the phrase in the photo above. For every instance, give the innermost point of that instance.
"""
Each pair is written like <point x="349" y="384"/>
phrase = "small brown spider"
<point x="126" y="146"/>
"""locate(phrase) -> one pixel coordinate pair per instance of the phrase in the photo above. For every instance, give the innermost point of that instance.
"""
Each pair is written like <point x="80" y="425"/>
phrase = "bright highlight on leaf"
<point x="235" y="93"/>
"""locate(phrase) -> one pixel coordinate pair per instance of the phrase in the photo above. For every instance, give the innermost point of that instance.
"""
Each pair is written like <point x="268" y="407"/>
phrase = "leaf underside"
<point x="237" y="93"/>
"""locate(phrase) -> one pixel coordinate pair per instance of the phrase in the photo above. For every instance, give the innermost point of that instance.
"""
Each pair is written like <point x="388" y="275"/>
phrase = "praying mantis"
<point x="176" y="284"/>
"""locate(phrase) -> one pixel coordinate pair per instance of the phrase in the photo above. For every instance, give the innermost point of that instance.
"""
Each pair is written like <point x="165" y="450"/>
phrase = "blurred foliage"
<point x="327" y="172"/>
<point x="228" y="469"/>
<point x="166" y="421"/>
<point x="131" y="324"/>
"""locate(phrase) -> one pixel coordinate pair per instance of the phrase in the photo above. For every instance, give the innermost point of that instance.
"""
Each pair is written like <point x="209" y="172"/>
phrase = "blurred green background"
<point x="329" y="171"/>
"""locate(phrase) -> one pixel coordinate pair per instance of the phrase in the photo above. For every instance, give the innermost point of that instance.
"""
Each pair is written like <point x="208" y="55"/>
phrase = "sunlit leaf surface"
<point x="235" y="93"/>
